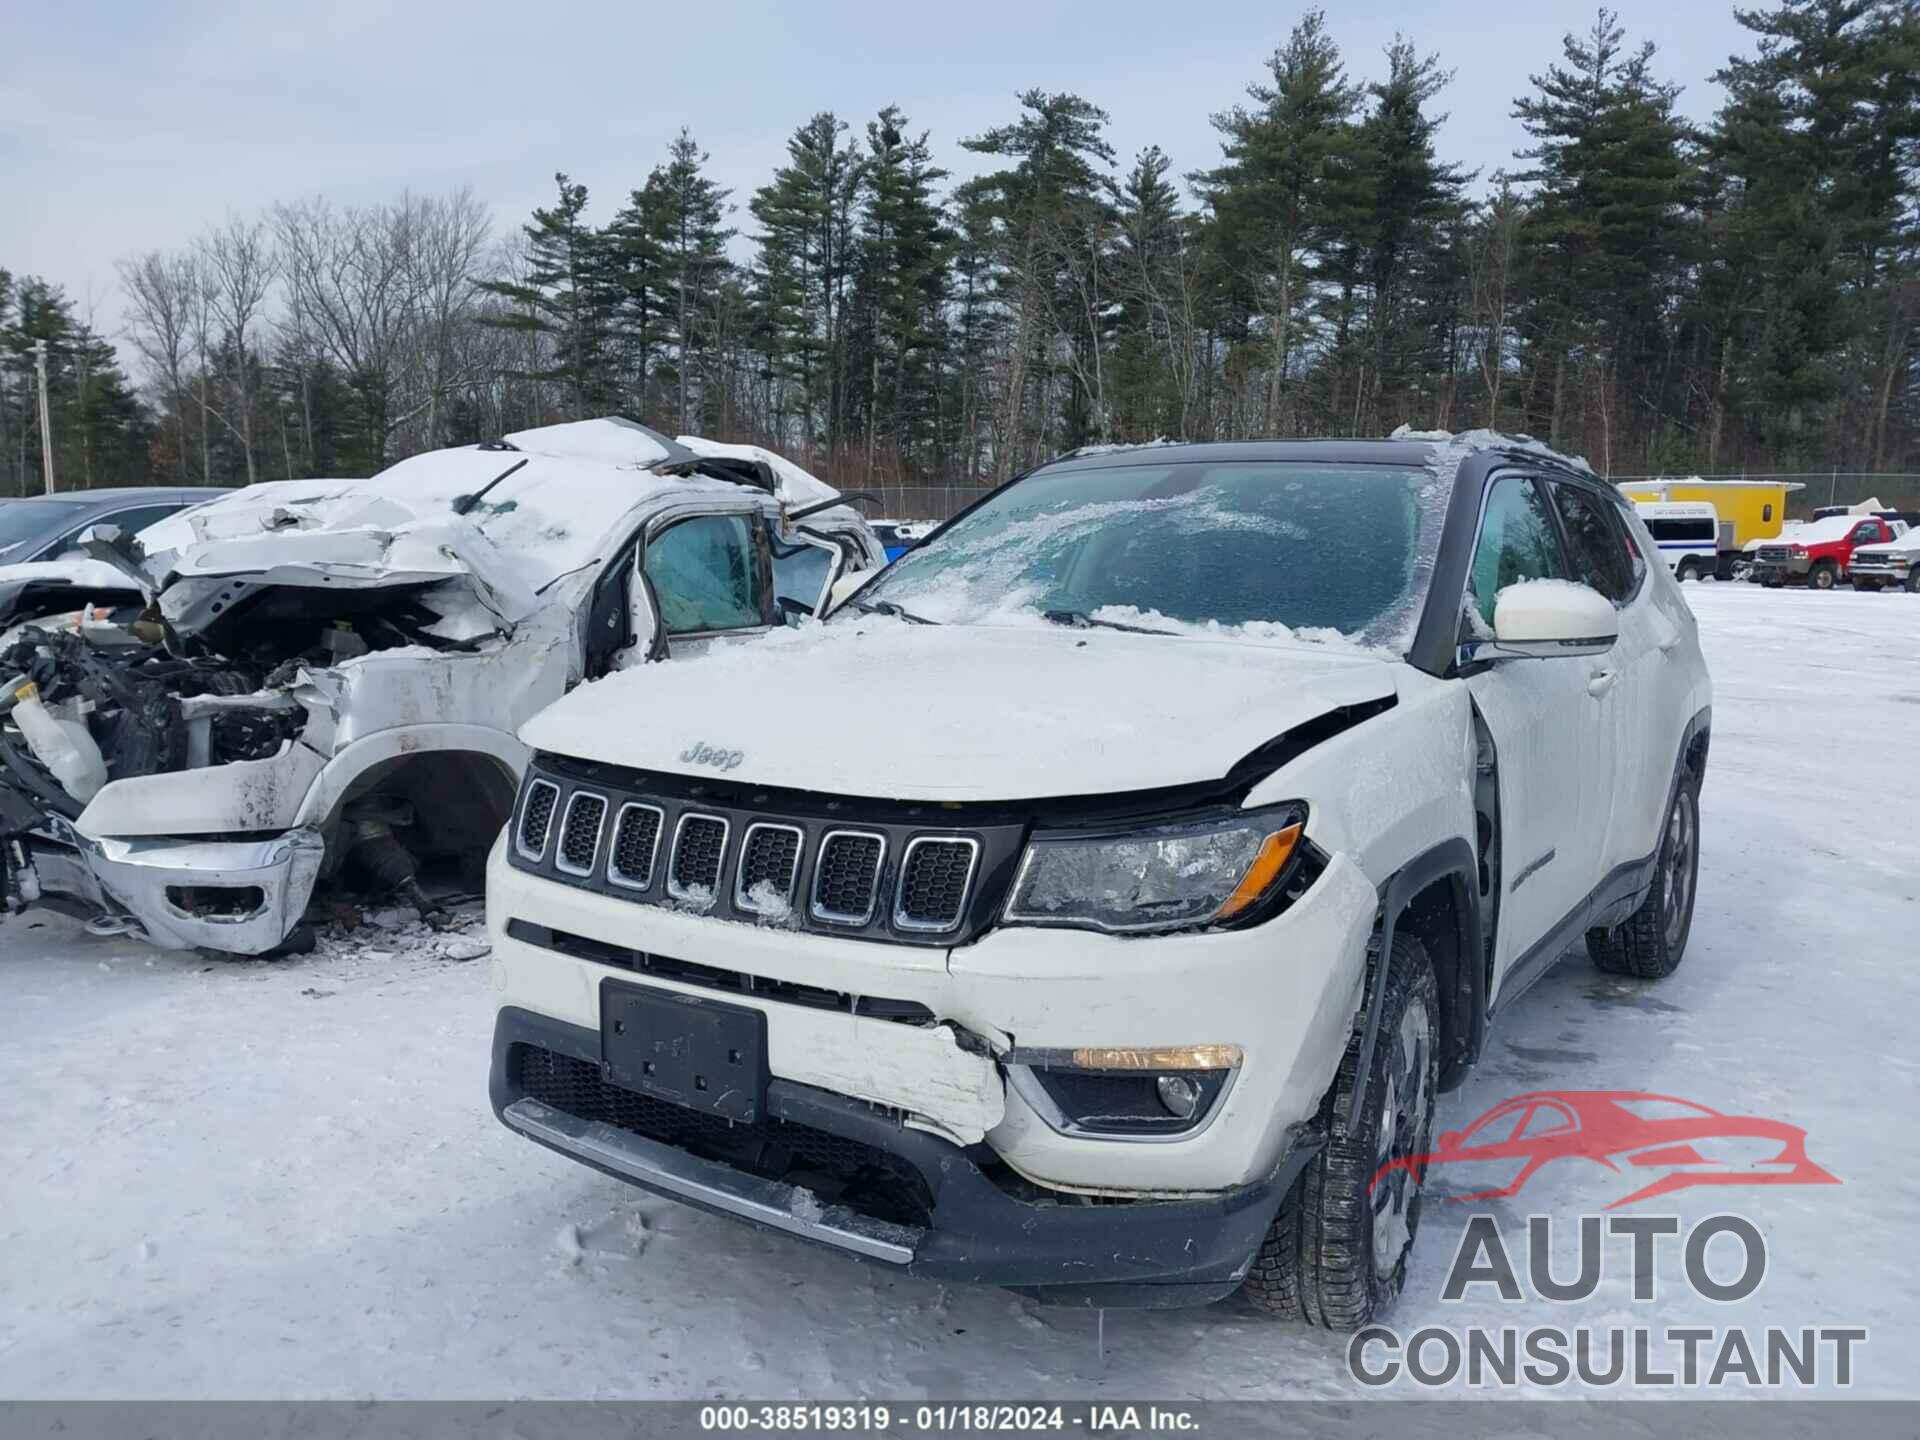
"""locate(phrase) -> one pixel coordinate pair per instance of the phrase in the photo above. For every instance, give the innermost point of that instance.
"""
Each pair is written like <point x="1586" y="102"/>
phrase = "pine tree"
<point x="1154" y="325"/>
<point x="640" y="305"/>
<point x="564" y="298"/>
<point x="1815" y="150"/>
<point x="695" y="267"/>
<point x="1053" y="228"/>
<point x="806" y="247"/>
<point x="100" y="431"/>
<point x="1410" y="202"/>
<point x="1614" y="179"/>
<point x="899" y="290"/>
<point x="1285" y="182"/>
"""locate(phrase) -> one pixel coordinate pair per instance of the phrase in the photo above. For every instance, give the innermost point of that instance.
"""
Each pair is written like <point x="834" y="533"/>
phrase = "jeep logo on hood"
<point x="701" y="753"/>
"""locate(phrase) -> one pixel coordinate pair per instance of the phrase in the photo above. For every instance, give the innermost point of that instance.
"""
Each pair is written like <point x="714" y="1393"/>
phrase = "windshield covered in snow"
<point x="1243" y="549"/>
<point x="25" y="527"/>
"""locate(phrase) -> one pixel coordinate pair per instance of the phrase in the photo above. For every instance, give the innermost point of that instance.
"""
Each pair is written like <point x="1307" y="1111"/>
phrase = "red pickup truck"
<point x="1818" y="553"/>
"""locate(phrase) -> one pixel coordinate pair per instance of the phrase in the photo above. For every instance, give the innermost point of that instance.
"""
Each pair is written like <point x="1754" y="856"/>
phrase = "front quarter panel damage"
<point x="1392" y="787"/>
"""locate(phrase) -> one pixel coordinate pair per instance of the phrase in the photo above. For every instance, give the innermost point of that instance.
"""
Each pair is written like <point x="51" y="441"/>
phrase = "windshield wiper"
<point x="1081" y="620"/>
<point x="887" y="607"/>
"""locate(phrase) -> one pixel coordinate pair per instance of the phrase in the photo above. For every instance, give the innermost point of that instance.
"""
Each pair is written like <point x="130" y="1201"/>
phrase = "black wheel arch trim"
<point x="1452" y="861"/>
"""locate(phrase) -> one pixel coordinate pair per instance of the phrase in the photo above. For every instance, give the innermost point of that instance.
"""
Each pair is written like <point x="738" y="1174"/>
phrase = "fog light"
<point x="1180" y="1095"/>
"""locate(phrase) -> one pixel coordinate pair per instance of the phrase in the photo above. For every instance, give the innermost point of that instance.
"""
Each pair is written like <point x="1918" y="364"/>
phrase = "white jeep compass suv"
<point x="1095" y="903"/>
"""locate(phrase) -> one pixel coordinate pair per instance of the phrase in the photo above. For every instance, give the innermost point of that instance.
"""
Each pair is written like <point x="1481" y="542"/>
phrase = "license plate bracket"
<point x="688" y="1050"/>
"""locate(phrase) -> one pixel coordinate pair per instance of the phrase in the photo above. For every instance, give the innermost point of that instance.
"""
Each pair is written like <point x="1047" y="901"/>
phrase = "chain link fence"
<point x="919" y="502"/>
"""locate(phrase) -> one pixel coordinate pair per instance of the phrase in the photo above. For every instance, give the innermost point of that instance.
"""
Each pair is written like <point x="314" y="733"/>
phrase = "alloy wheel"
<point x="1683" y="835"/>
<point x="1406" y="1121"/>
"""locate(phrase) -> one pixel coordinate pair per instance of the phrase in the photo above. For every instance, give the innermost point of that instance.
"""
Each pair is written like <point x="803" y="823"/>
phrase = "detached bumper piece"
<point x="238" y="896"/>
<point x="840" y="1173"/>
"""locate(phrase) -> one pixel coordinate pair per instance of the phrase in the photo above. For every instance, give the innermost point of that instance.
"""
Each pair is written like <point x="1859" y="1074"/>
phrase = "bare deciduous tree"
<point x="238" y="265"/>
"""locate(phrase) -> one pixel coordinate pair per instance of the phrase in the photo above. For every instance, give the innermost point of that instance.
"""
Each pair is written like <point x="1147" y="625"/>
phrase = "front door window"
<point x="706" y="575"/>
<point x="1517" y="542"/>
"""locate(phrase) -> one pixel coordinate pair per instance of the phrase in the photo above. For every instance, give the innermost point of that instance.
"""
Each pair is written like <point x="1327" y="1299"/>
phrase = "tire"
<point x="1913" y="581"/>
<point x="1324" y="1262"/>
<point x="1823" y="576"/>
<point x="1651" y="942"/>
<point x="1687" y="571"/>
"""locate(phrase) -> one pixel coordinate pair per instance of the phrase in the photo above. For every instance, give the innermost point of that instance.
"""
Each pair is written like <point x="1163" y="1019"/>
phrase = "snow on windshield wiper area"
<point x="887" y="607"/>
<point x="1082" y="620"/>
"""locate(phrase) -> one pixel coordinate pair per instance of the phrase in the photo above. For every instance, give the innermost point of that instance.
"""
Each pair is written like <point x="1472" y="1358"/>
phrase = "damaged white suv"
<point x="1220" y="796"/>
<point x="320" y="681"/>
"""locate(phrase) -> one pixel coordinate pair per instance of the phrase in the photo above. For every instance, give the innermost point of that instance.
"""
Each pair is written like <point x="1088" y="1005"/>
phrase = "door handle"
<point x="1670" y="641"/>
<point x="1601" y="681"/>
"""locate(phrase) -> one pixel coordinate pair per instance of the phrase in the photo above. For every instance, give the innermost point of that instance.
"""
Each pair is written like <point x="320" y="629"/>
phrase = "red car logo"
<point x="1624" y="1130"/>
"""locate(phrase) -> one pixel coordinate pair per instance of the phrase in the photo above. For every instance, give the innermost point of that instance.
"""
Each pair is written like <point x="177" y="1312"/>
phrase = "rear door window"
<point x="1601" y="553"/>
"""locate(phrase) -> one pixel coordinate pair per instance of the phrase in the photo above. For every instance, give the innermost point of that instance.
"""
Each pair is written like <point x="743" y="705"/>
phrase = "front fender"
<point x="1392" y="787"/>
<point x="243" y="797"/>
<point x="336" y="779"/>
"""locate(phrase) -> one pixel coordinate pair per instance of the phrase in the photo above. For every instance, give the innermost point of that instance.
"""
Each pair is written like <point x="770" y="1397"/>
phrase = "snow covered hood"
<point x="1816" y="532"/>
<point x="875" y="707"/>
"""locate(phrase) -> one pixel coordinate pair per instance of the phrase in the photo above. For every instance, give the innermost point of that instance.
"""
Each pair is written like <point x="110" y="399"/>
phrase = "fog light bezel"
<point x="1047" y="1081"/>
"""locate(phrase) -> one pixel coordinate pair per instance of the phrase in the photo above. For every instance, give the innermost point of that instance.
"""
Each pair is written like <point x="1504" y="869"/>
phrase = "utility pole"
<point x="46" y="423"/>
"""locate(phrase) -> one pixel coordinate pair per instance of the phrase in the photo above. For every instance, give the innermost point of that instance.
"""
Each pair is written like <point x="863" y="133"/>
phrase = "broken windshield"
<point x="1246" y="549"/>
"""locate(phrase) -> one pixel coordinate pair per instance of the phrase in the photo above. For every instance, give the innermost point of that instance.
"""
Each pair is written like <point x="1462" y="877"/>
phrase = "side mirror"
<point x="1542" y="619"/>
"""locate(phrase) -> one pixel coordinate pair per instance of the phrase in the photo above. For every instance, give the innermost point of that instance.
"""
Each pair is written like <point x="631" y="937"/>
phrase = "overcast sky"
<point x="126" y="125"/>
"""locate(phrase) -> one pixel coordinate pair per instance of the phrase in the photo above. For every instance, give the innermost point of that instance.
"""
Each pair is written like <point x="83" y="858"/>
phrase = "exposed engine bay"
<point x="131" y="706"/>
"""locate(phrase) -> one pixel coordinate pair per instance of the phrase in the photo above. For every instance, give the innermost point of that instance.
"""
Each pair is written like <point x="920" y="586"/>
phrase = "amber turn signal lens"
<point x="1157" y="1057"/>
<point x="1267" y="865"/>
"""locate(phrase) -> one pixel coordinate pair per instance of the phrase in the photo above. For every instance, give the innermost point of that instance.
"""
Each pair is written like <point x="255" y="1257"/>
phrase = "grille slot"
<point x="580" y="833"/>
<point x="536" y="818"/>
<point x="636" y="840"/>
<point x="846" y="879"/>
<point x="935" y="875"/>
<point x="699" y="845"/>
<point x="769" y="855"/>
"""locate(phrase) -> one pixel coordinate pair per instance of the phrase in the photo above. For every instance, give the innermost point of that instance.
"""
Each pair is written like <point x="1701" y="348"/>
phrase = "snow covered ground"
<point x="224" y="1179"/>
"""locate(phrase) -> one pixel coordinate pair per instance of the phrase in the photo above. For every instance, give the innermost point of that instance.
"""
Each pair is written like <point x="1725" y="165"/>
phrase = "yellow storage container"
<point x="1748" y="510"/>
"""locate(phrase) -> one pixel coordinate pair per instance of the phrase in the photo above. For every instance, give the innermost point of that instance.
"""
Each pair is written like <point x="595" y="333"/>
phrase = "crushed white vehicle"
<point x="1225" y="794"/>
<point x="318" y="681"/>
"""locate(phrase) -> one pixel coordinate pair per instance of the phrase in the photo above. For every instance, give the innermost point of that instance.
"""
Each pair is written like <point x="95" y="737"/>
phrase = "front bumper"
<point x="1286" y="992"/>
<point x="1152" y="1253"/>
<point x="1781" y="572"/>
<point x="1893" y="573"/>
<point x="242" y="897"/>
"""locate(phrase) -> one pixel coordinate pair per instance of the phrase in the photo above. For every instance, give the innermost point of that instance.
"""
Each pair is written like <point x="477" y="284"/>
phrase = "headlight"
<point x="1169" y="877"/>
